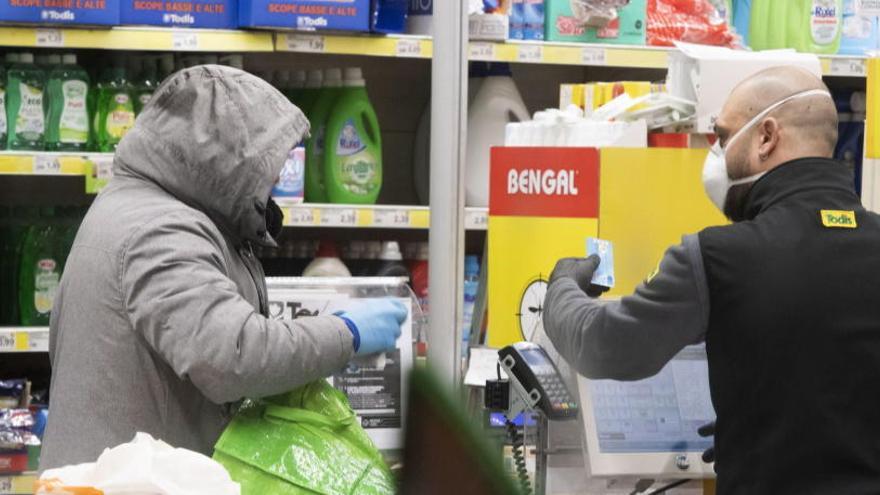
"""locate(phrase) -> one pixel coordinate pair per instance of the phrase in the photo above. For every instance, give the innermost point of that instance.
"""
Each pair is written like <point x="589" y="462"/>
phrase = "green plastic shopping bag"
<point x="308" y="441"/>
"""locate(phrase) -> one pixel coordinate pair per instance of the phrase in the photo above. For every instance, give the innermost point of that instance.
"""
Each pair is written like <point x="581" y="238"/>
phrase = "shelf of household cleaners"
<point x="376" y="46"/>
<point x="13" y="484"/>
<point x="372" y="216"/>
<point x="24" y="339"/>
<point x="138" y="38"/>
<point x="97" y="168"/>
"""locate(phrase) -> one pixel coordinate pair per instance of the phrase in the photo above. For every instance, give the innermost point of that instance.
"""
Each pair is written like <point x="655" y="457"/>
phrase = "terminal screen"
<point x="658" y="414"/>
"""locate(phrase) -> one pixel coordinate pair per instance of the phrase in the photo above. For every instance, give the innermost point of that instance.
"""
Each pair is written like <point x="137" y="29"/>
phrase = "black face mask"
<point x="274" y="219"/>
<point x="735" y="203"/>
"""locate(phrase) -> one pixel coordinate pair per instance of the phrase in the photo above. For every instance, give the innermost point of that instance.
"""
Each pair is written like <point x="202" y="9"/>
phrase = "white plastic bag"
<point x="146" y="466"/>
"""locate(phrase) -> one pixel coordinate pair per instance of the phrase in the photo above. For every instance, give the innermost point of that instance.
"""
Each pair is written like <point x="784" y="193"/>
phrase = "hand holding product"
<point x="375" y="326"/>
<point x="580" y="270"/>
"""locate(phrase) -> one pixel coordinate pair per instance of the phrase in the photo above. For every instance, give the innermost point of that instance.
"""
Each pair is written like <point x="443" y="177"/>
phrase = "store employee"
<point x="787" y="299"/>
<point x="160" y="319"/>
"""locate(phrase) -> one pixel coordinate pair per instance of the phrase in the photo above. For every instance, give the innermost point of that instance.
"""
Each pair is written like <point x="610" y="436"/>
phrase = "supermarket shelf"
<point x="17" y="484"/>
<point x="138" y="38"/>
<point x="24" y="339"/>
<point x="372" y="216"/>
<point x="376" y="46"/>
<point x="48" y="163"/>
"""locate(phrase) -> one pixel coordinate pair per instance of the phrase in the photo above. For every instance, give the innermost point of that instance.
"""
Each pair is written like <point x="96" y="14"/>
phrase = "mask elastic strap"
<point x="763" y="113"/>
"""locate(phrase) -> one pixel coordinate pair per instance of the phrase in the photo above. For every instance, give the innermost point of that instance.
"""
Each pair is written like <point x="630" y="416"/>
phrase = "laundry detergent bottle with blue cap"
<point x="353" y="146"/>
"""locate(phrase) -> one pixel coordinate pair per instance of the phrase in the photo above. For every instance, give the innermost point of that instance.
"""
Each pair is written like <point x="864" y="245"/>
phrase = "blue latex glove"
<point x="375" y="326"/>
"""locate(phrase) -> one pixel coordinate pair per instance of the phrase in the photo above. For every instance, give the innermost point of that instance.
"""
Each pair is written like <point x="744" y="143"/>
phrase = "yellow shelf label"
<point x="22" y="341"/>
<point x="365" y="218"/>
<point x="419" y="219"/>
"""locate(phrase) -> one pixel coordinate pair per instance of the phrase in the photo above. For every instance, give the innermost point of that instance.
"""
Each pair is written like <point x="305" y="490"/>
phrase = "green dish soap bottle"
<point x="318" y="115"/>
<point x="68" y="92"/>
<point x="353" y="146"/>
<point x="42" y="261"/>
<point x="25" y="118"/>
<point x="146" y="84"/>
<point x="115" y="109"/>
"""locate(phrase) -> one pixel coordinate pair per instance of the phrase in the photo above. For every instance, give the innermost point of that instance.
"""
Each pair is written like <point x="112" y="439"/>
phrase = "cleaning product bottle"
<point x="40" y="270"/>
<point x="291" y="181"/>
<point x="371" y="262"/>
<point x="496" y="104"/>
<point x="327" y="263"/>
<point x="859" y="33"/>
<point x="166" y="65"/>
<point x="236" y="61"/>
<point x="353" y="256"/>
<point x="353" y="146"/>
<point x="67" y="127"/>
<point x="391" y="261"/>
<point x="418" y="269"/>
<point x="297" y="84"/>
<point x="422" y="147"/>
<point x="814" y="26"/>
<point x="25" y="117"/>
<point x="282" y="81"/>
<point x="146" y="83"/>
<point x="758" y="16"/>
<point x="115" y="109"/>
<point x="318" y="115"/>
<point x="311" y="91"/>
<point x="741" y="18"/>
<point x="2" y="106"/>
<point x="471" y="287"/>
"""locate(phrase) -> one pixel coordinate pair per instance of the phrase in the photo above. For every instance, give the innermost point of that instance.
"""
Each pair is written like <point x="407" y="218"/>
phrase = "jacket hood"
<point x="216" y="138"/>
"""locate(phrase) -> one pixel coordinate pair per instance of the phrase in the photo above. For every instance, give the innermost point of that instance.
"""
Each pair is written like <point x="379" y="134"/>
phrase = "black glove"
<point x="708" y="430"/>
<point x="274" y="218"/>
<point x="581" y="271"/>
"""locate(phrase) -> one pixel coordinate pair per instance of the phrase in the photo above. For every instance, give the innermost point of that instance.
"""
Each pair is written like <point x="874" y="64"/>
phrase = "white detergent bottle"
<point x="496" y="104"/>
<point x="326" y="263"/>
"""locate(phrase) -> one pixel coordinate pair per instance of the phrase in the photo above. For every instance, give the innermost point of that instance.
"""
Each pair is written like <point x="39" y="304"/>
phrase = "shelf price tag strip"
<point x="49" y="38"/>
<point x="847" y="67"/>
<point x="184" y="41"/>
<point x="46" y="165"/>
<point x="309" y="43"/>
<point x="409" y="48"/>
<point x="341" y="217"/>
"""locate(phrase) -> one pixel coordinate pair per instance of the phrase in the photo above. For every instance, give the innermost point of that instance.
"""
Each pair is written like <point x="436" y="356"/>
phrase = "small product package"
<point x="604" y="275"/>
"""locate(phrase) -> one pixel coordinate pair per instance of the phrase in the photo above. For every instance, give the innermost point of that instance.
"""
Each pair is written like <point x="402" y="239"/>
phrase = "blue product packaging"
<point x="74" y="12"/>
<point x="742" y="14"/>
<point x="419" y="17"/>
<point x="291" y="181"/>
<point x="517" y="20"/>
<point x="383" y="16"/>
<point x="604" y="276"/>
<point x="859" y="33"/>
<point x="215" y="14"/>
<point x="533" y="19"/>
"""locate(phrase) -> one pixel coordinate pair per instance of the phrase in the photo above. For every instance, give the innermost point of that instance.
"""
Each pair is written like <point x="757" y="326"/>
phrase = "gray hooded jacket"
<point x="158" y="322"/>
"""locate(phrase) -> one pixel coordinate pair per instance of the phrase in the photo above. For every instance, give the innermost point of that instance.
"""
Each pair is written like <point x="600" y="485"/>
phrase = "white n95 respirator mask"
<point x="716" y="181"/>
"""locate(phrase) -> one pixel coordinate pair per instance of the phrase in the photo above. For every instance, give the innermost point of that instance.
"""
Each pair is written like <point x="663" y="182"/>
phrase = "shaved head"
<point x="809" y="123"/>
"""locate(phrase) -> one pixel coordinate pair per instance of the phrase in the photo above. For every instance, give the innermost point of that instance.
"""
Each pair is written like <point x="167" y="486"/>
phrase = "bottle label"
<point x="145" y="98"/>
<point x="29" y="122"/>
<point x="291" y="181"/>
<point x="2" y="112"/>
<point x="45" y="285"/>
<point x="74" y="125"/>
<point x="360" y="169"/>
<point x="824" y="21"/>
<point x="319" y="139"/>
<point x="120" y="118"/>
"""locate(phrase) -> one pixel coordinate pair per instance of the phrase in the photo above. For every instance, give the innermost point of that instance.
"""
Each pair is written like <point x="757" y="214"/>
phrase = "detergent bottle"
<point x="331" y="89"/>
<point x="42" y="261"/>
<point x="496" y="104"/>
<point x="115" y="109"/>
<point x="859" y="33"/>
<point x="814" y="26"/>
<point x="741" y="19"/>
<point x="353" y="146"/>
<point x="327" y="263"/>
<point x="67" y="127"/>
<point x="146" y="83"/>
<point x="25" y="115"/>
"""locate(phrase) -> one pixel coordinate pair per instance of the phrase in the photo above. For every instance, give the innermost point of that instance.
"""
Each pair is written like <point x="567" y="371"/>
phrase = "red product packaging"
<point x="693" y="21"/>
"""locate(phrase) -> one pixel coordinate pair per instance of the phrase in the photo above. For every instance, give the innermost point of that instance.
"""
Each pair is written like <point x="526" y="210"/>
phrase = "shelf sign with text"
<point x="74" y="12"/>
<point x="543" y="205"/>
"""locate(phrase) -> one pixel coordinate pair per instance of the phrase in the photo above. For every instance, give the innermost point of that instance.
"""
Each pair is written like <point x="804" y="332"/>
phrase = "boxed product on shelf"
<point x="420" y="16"/>
<point x="74" y="12"/>
<point x="627" y="29"/>
<point x="217" y="14"/>
<point x="381" y="16"/>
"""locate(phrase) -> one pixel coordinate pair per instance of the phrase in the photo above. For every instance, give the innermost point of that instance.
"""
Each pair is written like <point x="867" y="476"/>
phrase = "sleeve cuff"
<point x="356" y="335"/>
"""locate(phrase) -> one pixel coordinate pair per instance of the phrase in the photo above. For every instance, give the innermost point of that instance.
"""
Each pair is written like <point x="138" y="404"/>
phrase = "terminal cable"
<point x="519" y="457"/>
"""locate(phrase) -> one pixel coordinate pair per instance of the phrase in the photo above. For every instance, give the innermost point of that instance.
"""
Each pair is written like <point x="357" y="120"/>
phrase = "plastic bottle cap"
<point x="390" y="251"/>
<point x="26" y="58"/>
<point x="282" y="78"/>
<point x="12" y="58"/>
<point x="372" y="250"/>
<point x="422" y="252"/>
<point x="314" y="78"/>
<point x="332" y="78"/>
<point x="327" y="249"/>
<point x="235" y="61"/>
<point x="167" y="63"/>
<point x="354" y="77"/>
<point x="54" y="59"/>
<point x="299" y="76"/>
<point x="69" y="59"/>
<point x="356" y="249"/>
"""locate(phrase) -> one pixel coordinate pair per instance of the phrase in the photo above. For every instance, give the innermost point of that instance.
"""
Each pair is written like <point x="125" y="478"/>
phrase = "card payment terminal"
<point x="534" y="376"/>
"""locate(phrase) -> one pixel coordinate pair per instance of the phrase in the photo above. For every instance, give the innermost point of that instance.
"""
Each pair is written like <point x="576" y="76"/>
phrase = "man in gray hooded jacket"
<point x="159" y="322"/>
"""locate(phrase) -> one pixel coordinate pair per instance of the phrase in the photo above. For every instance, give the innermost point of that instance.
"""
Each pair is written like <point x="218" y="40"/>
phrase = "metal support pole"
<point x="446" y="235"/>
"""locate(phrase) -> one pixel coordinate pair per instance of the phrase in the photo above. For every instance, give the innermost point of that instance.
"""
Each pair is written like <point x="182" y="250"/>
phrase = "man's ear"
<point x="768" y="133"/>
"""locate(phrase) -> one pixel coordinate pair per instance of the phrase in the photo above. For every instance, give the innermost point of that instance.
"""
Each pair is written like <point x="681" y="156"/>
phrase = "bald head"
<point x="808" y="125"/>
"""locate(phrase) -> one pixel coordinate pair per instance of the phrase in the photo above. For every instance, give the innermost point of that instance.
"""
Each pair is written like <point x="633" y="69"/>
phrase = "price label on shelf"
<point x="184" y="41"/>
<point x="5" y="484"/>
<point x="103" y="167"/>
<point x="530" y="54"/>
<point x="341" y="217"/>
<point x="482" y="51"/>
<point x="46" y="165"/>
<point x="409" y="48"/>
<point x="306" y="43"/>
<point x="50" y="38"/>
<point x="593" y="56"/>
<point x="391" y="218"/>
<point x="477" y="220"/>
<point x="7" y="344"/>
<point x="302" y="216"/>
<point x="848" y="67"/>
